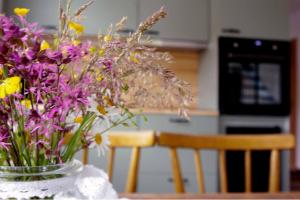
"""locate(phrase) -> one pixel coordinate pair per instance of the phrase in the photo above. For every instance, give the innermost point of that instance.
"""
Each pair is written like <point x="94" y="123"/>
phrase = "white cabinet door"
<point x="255" y="18"/>
<point x="186" y="20"/>
<point x="102" y="13"/>
<point x="96" y="18"/>
<point x="44" y="12"/>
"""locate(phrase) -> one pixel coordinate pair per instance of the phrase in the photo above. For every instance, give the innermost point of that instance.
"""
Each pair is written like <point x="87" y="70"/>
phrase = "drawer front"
<point x="164" y="183"/>
<point x="158" y="160"/>
<point x="174" y="123"/>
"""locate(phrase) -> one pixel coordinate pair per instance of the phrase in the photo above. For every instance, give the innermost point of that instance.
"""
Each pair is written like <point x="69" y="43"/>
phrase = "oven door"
<point x="254" y="77"/>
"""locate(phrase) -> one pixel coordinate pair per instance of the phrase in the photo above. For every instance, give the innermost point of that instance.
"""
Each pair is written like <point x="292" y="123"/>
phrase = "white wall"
<point x="295" y="33"/>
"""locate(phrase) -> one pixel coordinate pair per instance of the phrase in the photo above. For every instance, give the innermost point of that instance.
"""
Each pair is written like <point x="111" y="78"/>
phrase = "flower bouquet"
<point x="54" y="91"/>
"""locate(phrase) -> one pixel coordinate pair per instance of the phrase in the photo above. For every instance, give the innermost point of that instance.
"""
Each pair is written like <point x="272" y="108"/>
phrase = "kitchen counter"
<point x="191" y="112"/>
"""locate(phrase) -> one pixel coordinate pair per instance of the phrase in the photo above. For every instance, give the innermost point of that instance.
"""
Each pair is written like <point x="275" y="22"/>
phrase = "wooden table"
<point x="289" y="195"/>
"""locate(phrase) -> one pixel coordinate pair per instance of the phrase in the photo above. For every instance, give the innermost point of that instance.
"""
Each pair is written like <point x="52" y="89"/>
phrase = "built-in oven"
<point x="254" y="76"/>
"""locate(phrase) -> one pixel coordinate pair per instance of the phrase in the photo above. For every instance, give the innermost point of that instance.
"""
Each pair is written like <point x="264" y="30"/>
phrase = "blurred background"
<point x="241" y="58"/>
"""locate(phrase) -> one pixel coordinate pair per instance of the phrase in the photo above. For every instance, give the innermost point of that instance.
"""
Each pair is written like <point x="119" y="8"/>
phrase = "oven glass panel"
<point x="260" y="83"/>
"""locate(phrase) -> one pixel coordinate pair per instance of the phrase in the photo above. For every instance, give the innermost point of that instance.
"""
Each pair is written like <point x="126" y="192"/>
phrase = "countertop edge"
<point x="191" y="112"/>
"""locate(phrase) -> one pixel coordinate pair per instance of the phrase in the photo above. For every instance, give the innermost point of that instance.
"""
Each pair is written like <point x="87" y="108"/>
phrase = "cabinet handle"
<point x="179" y="120"/>
<point x="185" y="180"/>
<point x="231" y="31"/>
<point x="152" y="32"/>
<point x="125" y="31"/>
<point x="50" y="27"/>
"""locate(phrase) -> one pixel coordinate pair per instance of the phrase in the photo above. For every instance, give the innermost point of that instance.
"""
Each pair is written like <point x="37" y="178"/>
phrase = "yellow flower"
<point x="21" y="11"/>
<point x="101" y="110"/>
<point x="98" y="139"/>
<point x="78" y="119"/>
<point x="10" y="86"/>
<point x="102" y="143"/>
<point x="99" y="77"/>
<point x="108" y="101"/>
<point x="78" y="28"/>
<point x="107" y="38"/>
<point x="133" y="58"/>
<point x="26" y="103"/>
<point x="44" y="45"/>
<point x="101" y="52"/>
<point x="93" y="49"/>
<point x="76" y="42"/>
<point x="1" y="71"/>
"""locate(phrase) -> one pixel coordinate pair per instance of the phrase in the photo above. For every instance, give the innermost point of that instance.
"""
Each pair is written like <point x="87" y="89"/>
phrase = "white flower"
<point x="101" y="142"/>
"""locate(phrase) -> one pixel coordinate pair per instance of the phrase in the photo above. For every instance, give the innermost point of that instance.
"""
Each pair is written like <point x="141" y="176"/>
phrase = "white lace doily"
<point x="91" y="184"/>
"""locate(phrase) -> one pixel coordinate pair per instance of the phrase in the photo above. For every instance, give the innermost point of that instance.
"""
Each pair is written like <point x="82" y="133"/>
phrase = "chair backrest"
<point x="135" y="140"/>
<point x="221" y="143"/>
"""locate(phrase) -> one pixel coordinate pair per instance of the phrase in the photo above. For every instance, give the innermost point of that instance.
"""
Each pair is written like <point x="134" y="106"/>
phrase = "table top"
<point x="281" y="195"/>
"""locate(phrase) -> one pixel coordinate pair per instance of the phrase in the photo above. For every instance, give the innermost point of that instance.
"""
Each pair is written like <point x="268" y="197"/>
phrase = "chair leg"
<point x="199" y="171"/>
<point x="223" y="171"/>
<point x="111" y="163"/>
<point x="131" y="185"/>
<point x="179" y="187"/>
<point x="274" y="171"/>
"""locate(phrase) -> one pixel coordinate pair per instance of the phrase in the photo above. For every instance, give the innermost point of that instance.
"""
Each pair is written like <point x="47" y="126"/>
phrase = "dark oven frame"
<point x="227" y="104"/>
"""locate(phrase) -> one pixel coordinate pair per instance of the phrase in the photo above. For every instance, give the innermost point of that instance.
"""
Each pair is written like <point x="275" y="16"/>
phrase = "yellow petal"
<point x="99" y="77"/>
<point x="11" y="89"/>
<point x="15" y="80"/>
<point x="78" y="28"/>
<point x="44" y="45"/>
<point x="133" y="58"/>
<point x="76" y="42"/>
<point x="101" y="110"/>
<point x="107" y="38"/>
<point x="101" y="52"/>
<point x="21" y="11"/>
<point x="12" y="85"/>
<point x="2" y="92"/>
<point x="93" y="49"/>
<point x="26" y="103"/>
<point x="1" y="71"/>
<point x="108" y="101"/>
<point x="78" y="119"/>
<point x="98" y="139"/>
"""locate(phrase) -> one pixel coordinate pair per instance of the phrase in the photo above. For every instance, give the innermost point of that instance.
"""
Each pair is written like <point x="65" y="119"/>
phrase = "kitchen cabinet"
<point x="97" y="17"/>
<point x="255" y="18"/>
<point x="187" y="20"/>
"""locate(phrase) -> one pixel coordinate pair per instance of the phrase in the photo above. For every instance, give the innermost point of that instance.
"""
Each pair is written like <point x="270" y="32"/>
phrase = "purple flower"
<point x="4" y="144"/>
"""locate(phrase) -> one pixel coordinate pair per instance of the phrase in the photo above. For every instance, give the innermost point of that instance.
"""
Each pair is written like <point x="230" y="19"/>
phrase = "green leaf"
<point x="145" y="118"/>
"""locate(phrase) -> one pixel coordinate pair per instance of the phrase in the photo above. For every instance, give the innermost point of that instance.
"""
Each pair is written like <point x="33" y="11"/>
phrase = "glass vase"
<point x="38" y="181"/>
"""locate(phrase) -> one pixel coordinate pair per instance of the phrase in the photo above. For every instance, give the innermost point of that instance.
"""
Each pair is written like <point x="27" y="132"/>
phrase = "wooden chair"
<point x="136" y="141"/>
<point x="221" y="143"/>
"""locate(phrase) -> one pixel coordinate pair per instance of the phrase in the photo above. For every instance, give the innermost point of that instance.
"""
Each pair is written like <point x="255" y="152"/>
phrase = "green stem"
<point x="37" y="152"/>
<point x="86" y="125"/>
